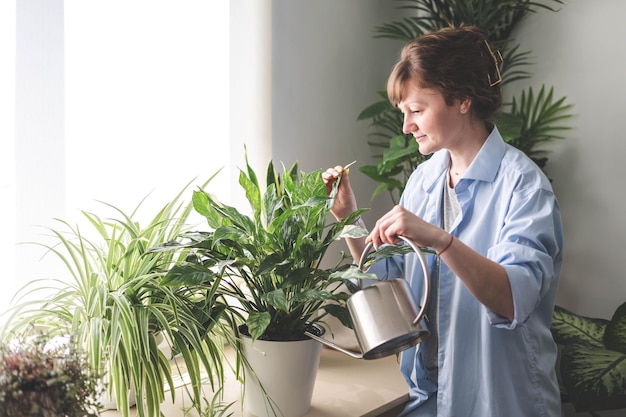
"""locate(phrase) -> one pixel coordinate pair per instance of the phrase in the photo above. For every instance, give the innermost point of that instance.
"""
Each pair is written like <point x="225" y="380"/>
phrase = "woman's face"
<point x="433" y="123"/>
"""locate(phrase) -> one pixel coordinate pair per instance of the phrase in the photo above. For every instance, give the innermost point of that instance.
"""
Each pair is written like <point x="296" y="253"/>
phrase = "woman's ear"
<point x="465" y="105"/>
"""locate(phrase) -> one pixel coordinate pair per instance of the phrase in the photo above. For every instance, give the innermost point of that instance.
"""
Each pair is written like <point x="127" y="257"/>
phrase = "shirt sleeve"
<point x="530" y="251"/>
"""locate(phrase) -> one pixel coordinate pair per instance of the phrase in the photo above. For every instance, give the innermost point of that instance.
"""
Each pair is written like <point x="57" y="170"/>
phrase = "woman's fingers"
<point x="331" y="174"/>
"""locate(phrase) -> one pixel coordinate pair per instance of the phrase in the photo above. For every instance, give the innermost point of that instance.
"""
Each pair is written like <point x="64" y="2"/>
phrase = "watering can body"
<point x="385" y="316"/>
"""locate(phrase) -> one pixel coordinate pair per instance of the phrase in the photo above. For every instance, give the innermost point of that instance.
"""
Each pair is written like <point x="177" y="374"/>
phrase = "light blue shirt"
<point x="487" y="365"/>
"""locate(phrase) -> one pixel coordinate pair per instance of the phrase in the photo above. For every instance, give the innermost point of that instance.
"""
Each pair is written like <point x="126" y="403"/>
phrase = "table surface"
<point x="344" y="387"/>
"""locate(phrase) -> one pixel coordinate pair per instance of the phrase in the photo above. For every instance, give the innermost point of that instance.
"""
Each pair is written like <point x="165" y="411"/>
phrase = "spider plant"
<point x="526" y="123"/>
<point x="112" y="304"/>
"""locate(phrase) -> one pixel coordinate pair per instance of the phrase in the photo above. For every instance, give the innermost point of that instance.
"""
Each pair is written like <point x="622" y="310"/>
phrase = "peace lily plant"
<point x="268" y="263"/>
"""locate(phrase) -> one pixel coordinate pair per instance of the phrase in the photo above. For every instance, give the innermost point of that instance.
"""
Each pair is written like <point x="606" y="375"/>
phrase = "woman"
<point x="492" y="217"/>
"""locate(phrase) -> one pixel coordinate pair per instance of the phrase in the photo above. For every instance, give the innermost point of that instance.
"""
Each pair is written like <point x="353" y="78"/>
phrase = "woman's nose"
<point x="408" y="126"/>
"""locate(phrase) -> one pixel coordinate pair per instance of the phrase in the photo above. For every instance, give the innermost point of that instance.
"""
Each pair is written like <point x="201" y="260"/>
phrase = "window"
<point x="113" y="101"/>
<point x="146" y="97"/>
<point x="7" y="146"/>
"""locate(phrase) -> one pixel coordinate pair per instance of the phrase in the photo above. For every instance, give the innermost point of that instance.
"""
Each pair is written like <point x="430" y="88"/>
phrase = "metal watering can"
<point x="384" y="315"/>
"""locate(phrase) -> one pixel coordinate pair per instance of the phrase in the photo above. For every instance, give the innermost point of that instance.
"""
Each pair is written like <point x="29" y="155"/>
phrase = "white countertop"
<point x="344" y="387"/>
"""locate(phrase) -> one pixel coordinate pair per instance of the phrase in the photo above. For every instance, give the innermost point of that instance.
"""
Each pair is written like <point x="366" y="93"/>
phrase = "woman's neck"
<point x="462" y="155"/>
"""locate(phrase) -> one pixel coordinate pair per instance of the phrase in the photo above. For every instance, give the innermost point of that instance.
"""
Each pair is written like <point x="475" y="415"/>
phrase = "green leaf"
<point x="339" y="312"/>
<point x="375" y="110"/>
<point x="352" y="273"/>
<point x="251" y="174"/>
<point x="312" y="294"/>
<point x="594" y="378"/>
<point x="268" y="264"/>
<point x="615" y="333"/>
<point x="251" y="188"/>
<point x="189" y="274"/>
<point x="399" y="149"/>
<point x="257" y="322"/>
<point x="352" y="231"/>
<point x="568" y="328"/>
<point x="205" y="205"/>
<point x="509" y="125"/>
<point x="278" y="300"/>
<point x="388" y="251"/>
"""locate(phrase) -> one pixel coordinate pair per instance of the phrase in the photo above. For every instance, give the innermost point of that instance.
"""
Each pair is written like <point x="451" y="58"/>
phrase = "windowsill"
<point x="344" y="387"/>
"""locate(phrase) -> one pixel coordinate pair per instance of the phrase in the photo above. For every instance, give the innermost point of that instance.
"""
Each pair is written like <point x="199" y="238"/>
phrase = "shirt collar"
<point x="484" y="167"/>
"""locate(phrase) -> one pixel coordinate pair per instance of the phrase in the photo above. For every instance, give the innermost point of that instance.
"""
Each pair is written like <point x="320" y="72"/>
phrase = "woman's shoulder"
<point x="516" y="164"/>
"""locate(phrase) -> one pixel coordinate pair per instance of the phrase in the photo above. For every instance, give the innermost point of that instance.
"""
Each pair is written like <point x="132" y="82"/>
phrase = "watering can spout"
<point x="355" y="355"/>
<point x="384" y="315"/>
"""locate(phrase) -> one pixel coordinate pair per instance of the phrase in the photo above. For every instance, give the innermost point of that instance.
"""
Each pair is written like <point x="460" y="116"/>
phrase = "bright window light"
<point x="139" y="105"/>
<point x="7" y="143"/>
<point x="146" y="99"/>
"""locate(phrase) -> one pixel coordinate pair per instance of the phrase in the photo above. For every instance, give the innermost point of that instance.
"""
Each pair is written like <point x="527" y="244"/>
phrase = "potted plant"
<point x="268" y="263"/>
<point x="592" y="369"/>
<point x="111" y="303"/>
<point x="526" y="123"/>
<point x="44" y="377"/>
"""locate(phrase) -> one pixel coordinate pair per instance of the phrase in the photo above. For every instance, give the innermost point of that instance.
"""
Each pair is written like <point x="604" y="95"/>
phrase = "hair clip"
<point x="497" y="60"/>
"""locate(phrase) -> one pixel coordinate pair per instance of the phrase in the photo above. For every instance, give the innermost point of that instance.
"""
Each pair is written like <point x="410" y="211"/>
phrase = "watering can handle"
<point x="418" y="252"/>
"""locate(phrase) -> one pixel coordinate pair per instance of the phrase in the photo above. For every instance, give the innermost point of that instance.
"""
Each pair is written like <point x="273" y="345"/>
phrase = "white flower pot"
<point x="281" y="376"/>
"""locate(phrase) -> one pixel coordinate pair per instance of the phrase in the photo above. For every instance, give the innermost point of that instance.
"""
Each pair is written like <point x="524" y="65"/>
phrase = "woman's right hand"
<point x="345" y="201"/>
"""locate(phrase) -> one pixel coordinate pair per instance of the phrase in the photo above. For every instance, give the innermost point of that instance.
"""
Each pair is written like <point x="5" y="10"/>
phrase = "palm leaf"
<point x="540" y="117"/>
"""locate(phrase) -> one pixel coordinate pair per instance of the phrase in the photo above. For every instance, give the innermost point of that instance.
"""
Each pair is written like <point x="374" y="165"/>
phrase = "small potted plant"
<point x="269" y="263"/>
<point x="40" y="377"/>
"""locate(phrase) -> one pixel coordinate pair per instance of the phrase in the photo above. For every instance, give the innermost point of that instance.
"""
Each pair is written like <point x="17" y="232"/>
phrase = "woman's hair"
<point x="457" y="62"/>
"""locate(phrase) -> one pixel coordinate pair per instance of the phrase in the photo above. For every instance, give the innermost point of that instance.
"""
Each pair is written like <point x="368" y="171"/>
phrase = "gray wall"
<point x="326" y="69"/>
<point x="581" y="52"/>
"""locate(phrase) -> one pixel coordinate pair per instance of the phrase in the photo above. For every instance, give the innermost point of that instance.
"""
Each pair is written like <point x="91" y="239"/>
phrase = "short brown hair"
<point x="457" y="62"/>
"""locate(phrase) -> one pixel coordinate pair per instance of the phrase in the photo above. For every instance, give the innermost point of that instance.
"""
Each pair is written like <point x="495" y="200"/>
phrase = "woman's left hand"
<point x="486" y="279"/>
<point x="401" y="222"/>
